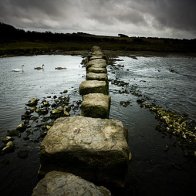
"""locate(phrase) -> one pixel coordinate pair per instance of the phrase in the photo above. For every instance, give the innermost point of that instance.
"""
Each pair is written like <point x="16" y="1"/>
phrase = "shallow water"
<point x="169" y="81"/>
<point x="16" y="88"/>
<point x="158" y="165"/>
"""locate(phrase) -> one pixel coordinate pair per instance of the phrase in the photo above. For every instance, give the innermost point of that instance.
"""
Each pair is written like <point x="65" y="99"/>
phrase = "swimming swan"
<point x="38" y="68"/>
<point x="60" y="68"/>
<point x="18" y="70"/>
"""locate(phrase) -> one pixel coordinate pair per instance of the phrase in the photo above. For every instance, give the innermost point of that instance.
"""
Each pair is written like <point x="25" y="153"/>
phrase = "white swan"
<point x="38" y="68"/>
<point x="60" y="68"/>
<point x="18" y="70"/>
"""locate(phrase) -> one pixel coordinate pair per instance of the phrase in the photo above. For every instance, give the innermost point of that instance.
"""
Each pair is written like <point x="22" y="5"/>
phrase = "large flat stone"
<point x="96" y="105"/>
<point x="63" y="184"/>
<point x="97" y="70"/>
<point x="97" y="61"/>
<point x="97" y="65"/>
<point x="96" y="76"/>
<point x="93" y="86"/>
<point x="93" y="148"/>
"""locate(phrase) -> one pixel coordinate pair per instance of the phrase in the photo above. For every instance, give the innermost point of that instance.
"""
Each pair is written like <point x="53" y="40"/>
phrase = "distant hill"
<point x="13" y="39"/>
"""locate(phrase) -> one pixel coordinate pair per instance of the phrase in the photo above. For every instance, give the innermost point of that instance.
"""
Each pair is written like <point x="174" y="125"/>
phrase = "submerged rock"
<point x="63" y="183"/>
<point x="9" y="147"/>
<point x="172" y="122"/>
<point x="96" y="105"/>
<point x="58" y="112"/>
<point x="21" y="127"/>
<point x="32" y="102"/>
<point x="93" y="148"/>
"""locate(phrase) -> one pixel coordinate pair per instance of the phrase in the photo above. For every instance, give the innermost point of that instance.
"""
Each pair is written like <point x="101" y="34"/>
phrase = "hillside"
<point x="18" y="42"/>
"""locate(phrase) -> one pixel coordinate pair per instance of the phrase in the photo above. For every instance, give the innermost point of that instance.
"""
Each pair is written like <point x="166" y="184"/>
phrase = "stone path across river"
<point x="90" y="146"/>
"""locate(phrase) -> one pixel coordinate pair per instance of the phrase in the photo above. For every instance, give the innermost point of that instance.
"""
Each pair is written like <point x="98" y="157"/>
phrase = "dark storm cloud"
<point x="162" y="18"/>
<point x="178" y="14"/>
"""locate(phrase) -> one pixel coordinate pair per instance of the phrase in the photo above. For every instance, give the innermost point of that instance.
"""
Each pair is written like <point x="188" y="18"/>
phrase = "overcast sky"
<point x="149" y="18"/>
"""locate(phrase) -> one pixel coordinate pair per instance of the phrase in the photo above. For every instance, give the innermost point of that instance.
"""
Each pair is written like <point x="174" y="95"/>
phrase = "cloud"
<point x="160" y="18"/>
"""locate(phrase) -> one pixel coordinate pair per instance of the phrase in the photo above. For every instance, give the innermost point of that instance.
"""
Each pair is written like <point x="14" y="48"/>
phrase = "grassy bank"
<point x="19" y="42"/>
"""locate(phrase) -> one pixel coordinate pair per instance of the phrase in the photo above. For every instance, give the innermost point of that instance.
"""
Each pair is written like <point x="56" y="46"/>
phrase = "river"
<point x="158" y="166"/>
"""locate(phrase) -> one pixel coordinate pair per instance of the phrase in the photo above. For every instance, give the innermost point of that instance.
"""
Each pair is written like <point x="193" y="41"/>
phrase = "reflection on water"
<point x="159" y="165"/>
<point x="16" y="88"/>
<point x="169" y="81"/>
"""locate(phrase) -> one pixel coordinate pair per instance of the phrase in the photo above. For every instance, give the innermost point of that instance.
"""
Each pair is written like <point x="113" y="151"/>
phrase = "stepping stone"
<point x="96" y="105"/>
<point x="95" y="149"/>
<point x="97" y="53"/>
<point x="97" y="65"/>
<point x="63" y="183"/>
<point x="97" y="70"/>
<point x="93" y="86"/>
<point x="97" y="61"/>
<point x="97" y="57"/>
<point x="96" y="76"/>
<point x="95" y="48"/>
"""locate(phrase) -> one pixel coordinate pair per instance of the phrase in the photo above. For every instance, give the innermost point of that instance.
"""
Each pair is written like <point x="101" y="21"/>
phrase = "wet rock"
<point x="95" y="48"/>
<point x="97" y="70"/>
<point x="34" y="118"/>
<point x="125" y="103"/>
<point x="58" y="112"/>
<point x="53" y="105"/>
<point x="42" y="111"/>
<point x="62" y="184"/>
<point x="96" y="76"/>
<point x="45" y="103"/>
<point x="140" y="101"/>
<point x="97" y="53"/>
<point x="173" y="71"/>
<point x="31" y="109"/>
<point x="66" y="113"/>
<point x="93" y="86"/>
<point x="173" y="123"/>
<point x="90" y="147"/>
<point x="21" y="127"/>
<point x="23" y="154"/>
<point x="32" y="102"/>
<point x="6" y="139"/>
<point x="25" y="116"/>
<point x="67" y="108"/>
<point x="96" y="105"/>
<point x="9" y="147"/>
